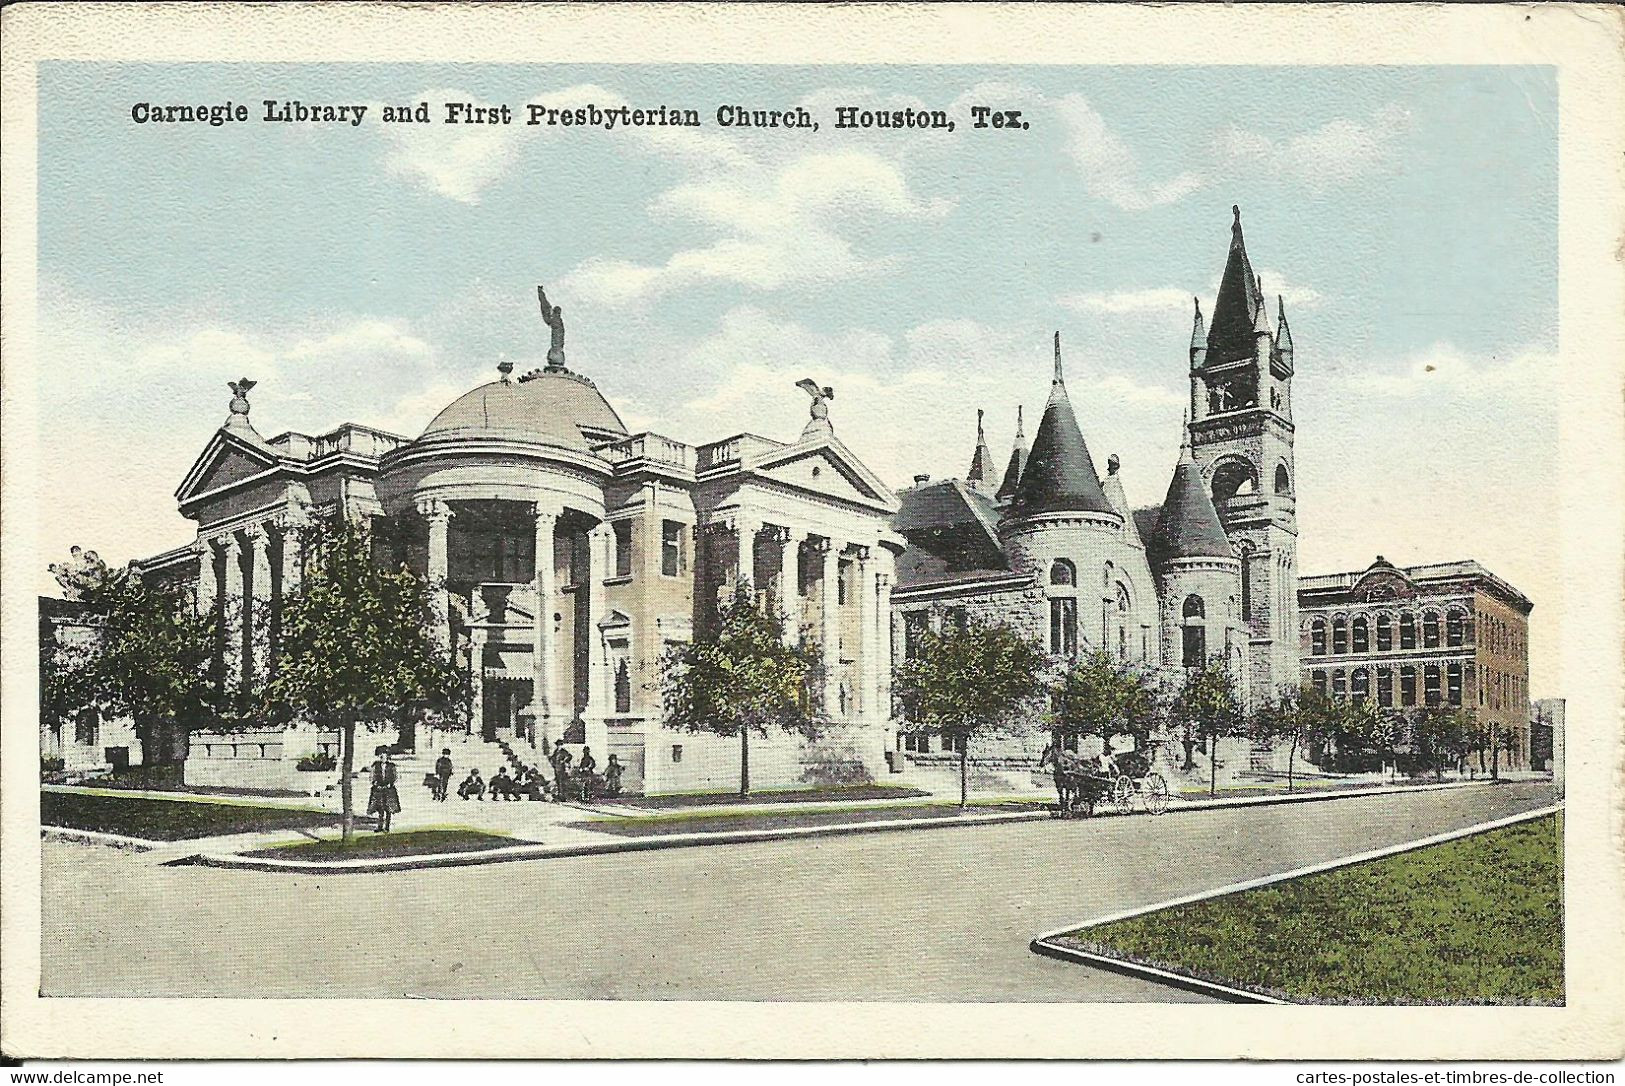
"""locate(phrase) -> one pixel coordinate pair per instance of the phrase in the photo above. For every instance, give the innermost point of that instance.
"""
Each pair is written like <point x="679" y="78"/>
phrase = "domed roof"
<point x="550" y="406"/>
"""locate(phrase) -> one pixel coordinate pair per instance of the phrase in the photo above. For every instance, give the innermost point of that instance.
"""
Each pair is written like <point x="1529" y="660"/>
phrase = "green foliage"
<point x="148" y="655"/>
<point x="1440" y="735"/>
<point x="981" y="679"/>
<point x="357" y="645"/>
<point x="170" y="819"/>
<point x="1475" y="920"/>
<point x="742" y="678"/>
<point x="1207" y="708"/>
<point x="1101" y="695"/>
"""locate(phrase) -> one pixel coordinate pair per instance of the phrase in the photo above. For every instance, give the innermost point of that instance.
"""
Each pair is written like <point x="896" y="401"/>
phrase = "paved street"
<point x="928" y="915"/>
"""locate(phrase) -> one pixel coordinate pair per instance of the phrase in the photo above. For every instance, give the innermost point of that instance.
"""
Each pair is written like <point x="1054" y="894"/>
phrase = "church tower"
<point x="1241" y="439"/>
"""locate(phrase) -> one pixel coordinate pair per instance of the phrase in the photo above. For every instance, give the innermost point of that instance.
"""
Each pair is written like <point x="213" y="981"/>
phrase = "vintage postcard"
<point x="854" y="531"/>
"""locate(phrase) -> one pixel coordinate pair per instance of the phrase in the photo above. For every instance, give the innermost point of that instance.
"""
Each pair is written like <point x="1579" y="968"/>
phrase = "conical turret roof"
<point x="1059" y="476"/>
<point x="1230" y="333"/>
<point x="981" y="461"/>
<point x="1017" y="464"/>
<point x="1283" y="334"/>
<point x="1189" y="526"/>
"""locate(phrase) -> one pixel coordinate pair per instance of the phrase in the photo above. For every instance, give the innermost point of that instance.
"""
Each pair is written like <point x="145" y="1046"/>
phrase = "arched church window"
<point x="1194" y="607"/>
<point x="1430" y="630"/>
<point x="1317" y="637"/>
<point x="1407" y="633"/>
<point x="1385" y="634"/>
<point x="1453" y="629"/>
<point x="1283" y="481"/>
<point x="1362" y="634"/>
<point x="1340" y="636"/>
<point x="1062" y="572"/>
<point x="1122" y="621"/>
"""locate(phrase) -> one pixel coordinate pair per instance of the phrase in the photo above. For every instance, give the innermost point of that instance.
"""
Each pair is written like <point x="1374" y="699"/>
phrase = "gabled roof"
<point x="1059" y="476"/>
<point x="1189" y="526"/>
<point x="1230" y="333"/>
<point x="231" y="456"/>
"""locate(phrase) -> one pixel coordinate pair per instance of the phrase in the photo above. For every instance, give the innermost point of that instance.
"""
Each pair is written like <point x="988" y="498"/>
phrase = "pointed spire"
<point x="981" y="461"/>
<point x="1198" y="329"/>
<point x="1261" y="319"/>
<point x="1016" y="465"/>
<point x="1283" y="334"/>
<point x="1189" y="525"/>
<point x="1230" y="332"/>
<point x="1059" y="475"/>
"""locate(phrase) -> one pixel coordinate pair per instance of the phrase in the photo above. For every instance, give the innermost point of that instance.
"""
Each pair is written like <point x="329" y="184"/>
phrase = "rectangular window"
<point x="1340" y="685"/>
<point x="672" y="559"/>
<point x="1385" y="634"/>
<point x="1431" y="684"/>
<point x="85" y="728"/>
<point x="1407" y="686"/>
<point x="1407" y="631"/>
<point x="1319" y="681"/>
<point x="955" y="619"/>
<point x="1385" y="689"/>
<point x="1063" y="626"/>
<point x="915" y="625"/>
<point x="1362" y="641"/>
<point x="1317" y="638"/>
<point x="917" y="743"/>
<point x="1453" y="683"/>
<point x="1340" y="637"/>
<point x="1195" y="645"/>
<point x="623" y="548"/>
<point x="953" y="744"/>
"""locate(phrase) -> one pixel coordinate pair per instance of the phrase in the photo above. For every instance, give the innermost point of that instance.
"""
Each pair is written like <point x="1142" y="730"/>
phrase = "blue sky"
<point x="1408" y="215"/>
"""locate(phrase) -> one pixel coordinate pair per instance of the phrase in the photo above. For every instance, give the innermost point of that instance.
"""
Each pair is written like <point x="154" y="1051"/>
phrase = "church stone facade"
<point x="1054" y="548"/>
<point x="566" y="556"/>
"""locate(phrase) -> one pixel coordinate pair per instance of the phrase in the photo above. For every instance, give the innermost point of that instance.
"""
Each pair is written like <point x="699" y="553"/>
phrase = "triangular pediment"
<point x="227" y="459"/>
<point x="826" y="467"/>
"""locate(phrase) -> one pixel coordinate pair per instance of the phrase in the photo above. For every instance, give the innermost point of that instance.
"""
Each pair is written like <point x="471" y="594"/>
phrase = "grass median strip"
<point x="171" y="819"/>
<point x="726" y="821"/>
<point x="375" y="846"/>
<point x="855" y="792"/>
<point x="1477" y="920"/>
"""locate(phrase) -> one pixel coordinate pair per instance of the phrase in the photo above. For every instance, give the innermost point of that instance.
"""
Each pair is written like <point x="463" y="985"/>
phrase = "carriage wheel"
<point x="1123" y="794"/>
<point x="1156" y="794"/>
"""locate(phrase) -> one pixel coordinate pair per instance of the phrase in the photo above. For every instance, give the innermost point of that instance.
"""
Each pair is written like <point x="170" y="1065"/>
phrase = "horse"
<point x="1072" y="779"/>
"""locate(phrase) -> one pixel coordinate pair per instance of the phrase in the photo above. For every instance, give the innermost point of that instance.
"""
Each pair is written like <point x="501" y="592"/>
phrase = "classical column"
<point x="601" y="566"/>
<point x="438" y="516"/>
<point x="232" y="610"/>
<point x="476" y="680"/>
<point x="864" y="688"/>
<point x="830" y="595"/>
<point x="883" y="644"/>
<point x="789" y="601"/>
<point x="207" y="584"/>
<point x="745" y="529"/>
<point x="543" y="647"/>
<point x="256" y="595"/>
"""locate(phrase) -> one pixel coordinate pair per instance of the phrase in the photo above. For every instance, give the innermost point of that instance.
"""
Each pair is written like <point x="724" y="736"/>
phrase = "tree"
<point x="742" y="677"/>
<point x="1101" y="695"/>
<point x="1207" y="707"/>
<point x="1300" y="719"/>
<point x="979" y="679"/>
<point x="149" y="656"/>
<point x="1441" y="734"/>
<point x="357" y="646"/>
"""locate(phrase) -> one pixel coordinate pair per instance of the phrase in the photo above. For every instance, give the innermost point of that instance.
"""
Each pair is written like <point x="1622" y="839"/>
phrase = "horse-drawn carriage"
<point x="1083" y="784"/>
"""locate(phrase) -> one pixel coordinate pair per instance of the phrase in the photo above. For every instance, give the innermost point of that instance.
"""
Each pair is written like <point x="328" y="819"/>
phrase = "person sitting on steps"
<point x="472" y="786"/>
<point x="501" y="784"/>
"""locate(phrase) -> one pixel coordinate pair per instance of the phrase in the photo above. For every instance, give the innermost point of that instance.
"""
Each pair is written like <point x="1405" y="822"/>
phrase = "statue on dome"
<point x="553" y="317"/>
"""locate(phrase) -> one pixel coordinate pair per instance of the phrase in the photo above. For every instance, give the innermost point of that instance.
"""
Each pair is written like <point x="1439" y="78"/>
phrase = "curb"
<point x="735" y="837"/>
<point x="95" y="837"/>
<point x="1046" y="945"/>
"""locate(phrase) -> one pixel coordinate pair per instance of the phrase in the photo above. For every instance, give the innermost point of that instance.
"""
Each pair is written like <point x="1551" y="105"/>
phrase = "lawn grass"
<point x="726" y="821"/>
<point x="1477" y="920"/>
<point x="372" y="846"/>
<point x="793" y="795"/>
<point x="172" y="819"/>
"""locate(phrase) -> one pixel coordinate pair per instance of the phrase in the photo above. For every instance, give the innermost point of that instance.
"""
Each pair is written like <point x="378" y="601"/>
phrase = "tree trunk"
<point x="346" y="767"/>
<point x="964" y="772"/>
<point x="744" y="761"/>
<point x="1213" y="765"/>
<point x="1291" y="753"/>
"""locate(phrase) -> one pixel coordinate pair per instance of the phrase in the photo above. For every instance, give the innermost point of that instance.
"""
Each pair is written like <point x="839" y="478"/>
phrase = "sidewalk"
<point x="548" y="834"/>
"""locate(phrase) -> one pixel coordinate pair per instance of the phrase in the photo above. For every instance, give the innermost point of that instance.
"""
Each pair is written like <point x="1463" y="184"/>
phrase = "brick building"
<point x="1452" y="633"/>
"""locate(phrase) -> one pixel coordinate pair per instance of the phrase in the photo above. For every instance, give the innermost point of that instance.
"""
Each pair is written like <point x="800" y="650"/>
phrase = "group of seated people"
<point x="527" y="783"/>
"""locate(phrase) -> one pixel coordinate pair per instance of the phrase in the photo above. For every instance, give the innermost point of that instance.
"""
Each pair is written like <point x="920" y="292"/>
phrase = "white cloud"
<point x="1446" y="372"/>
<point x="1338" y="151"/>
<point x="457" y="161"/>
<point x="1166" y="302"/>
<point x="1111" y="170"/>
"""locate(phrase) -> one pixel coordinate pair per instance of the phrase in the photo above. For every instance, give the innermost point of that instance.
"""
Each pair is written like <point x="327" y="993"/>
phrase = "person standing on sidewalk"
<point x="561" y="760"/>
<point x="442" y="773"/>
<point x="383" y="801"/>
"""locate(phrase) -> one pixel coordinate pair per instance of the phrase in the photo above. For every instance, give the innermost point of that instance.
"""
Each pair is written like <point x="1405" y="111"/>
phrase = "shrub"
<point x="827" y="768"/>
<point x="317" y="763"/>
